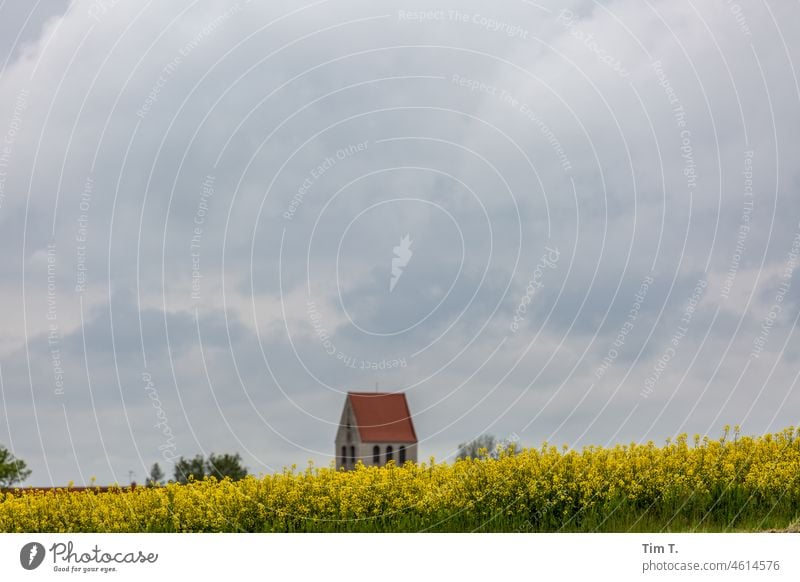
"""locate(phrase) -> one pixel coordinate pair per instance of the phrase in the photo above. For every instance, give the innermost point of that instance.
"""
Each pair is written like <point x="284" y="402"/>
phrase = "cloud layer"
<point x="200" y="205"/>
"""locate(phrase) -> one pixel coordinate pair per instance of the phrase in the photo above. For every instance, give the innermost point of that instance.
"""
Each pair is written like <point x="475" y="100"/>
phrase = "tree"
<point x="487" y="446"/>
<point x="221" y="466"/>
<point x="473" y="449"/>
<point x="190" y="467"/>
<point x="156" y="476"/>
<point x="12" y="470"/>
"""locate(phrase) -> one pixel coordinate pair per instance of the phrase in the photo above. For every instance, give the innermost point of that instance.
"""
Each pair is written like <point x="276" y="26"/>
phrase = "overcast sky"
<point x="575" y="225"/>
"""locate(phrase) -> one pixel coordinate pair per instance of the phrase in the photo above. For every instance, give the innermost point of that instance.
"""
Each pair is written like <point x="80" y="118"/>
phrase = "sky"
<point x="567" y="222"/>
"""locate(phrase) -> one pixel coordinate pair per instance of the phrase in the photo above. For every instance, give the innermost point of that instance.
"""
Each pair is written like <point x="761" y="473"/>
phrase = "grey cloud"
<point x="145" y="112"/>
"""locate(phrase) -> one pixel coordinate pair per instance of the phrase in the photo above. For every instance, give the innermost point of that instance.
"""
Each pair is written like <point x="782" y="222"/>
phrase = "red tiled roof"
<point x="382" y="417"/>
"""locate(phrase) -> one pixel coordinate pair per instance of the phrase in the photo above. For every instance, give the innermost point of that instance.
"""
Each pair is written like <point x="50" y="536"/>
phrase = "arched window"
<point x="389" y="453"/>
<point x="344" y="456"/>
<point x="376" y="455"/>
<point x="353" y="456"/>
<point x="402" y="454"/>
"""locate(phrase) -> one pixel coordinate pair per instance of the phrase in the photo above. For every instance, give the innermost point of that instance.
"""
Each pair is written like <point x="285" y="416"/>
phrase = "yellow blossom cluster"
<point x="732" y="483"/>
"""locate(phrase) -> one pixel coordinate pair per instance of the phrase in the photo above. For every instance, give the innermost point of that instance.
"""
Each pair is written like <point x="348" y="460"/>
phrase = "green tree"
<point x="226" y="465"/>
<point x="12" y="470"/>
<point x="190" y="467"/>
<point x="219" y="466"/>
<point x="156" y="476"/>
